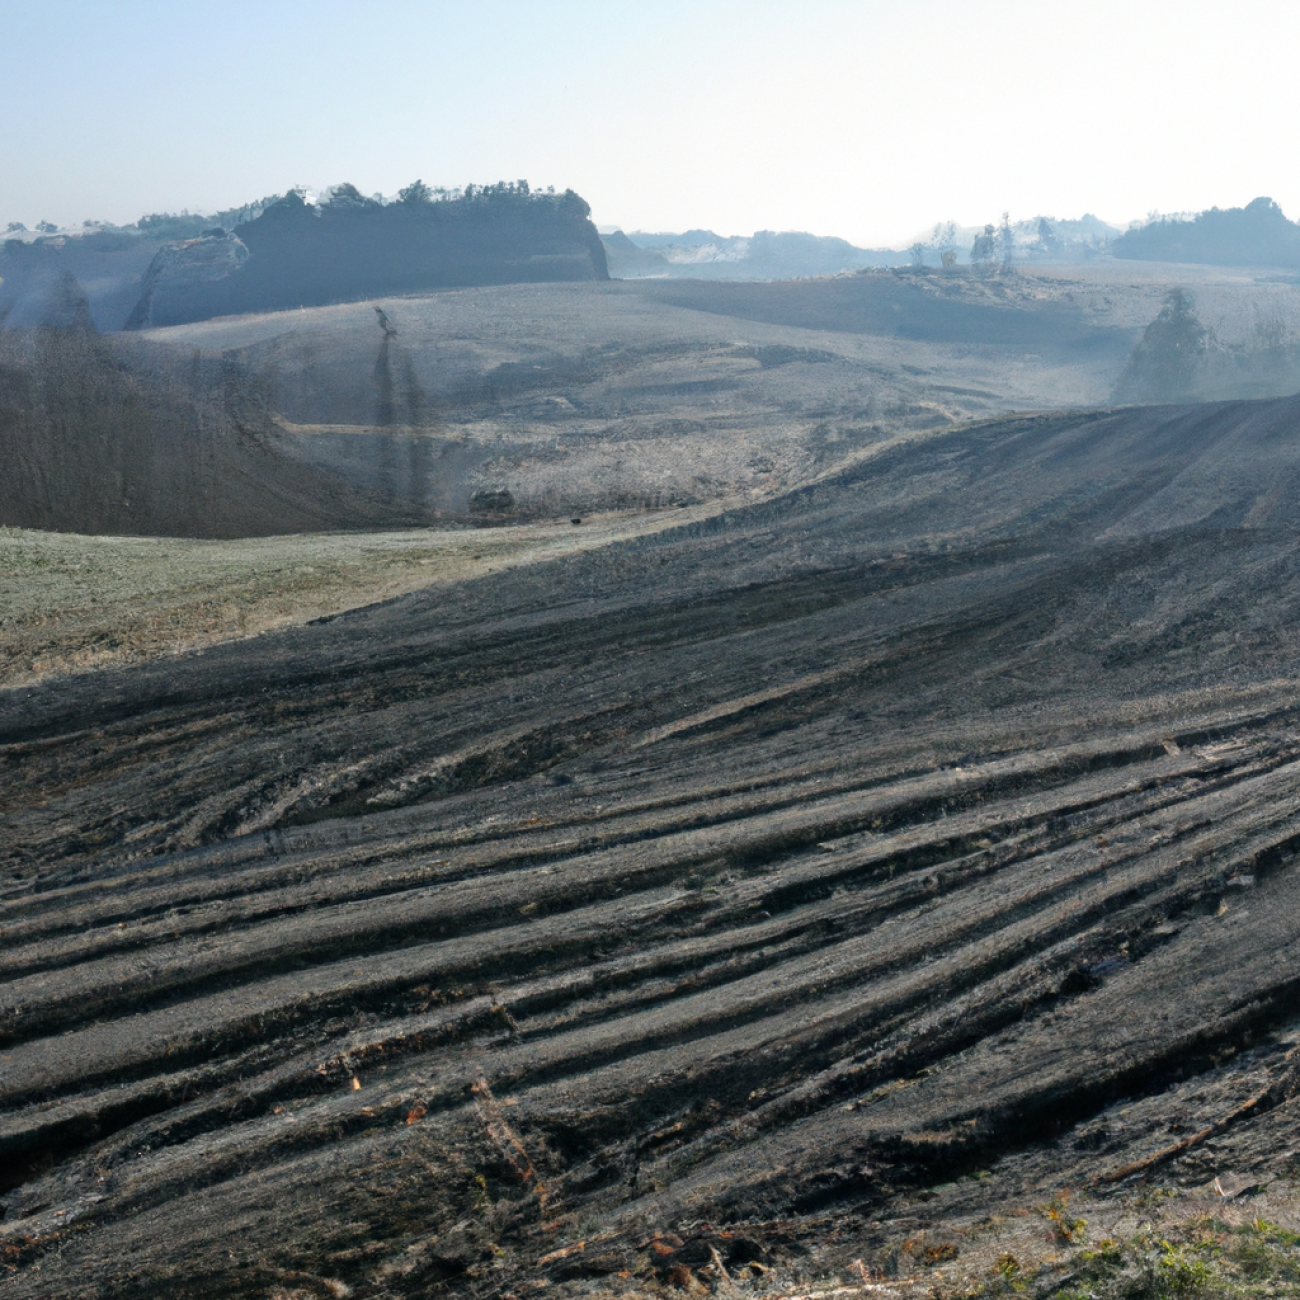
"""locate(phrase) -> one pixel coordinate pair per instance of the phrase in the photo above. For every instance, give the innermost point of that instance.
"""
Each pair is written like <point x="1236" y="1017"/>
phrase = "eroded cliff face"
<point x="298" y="254"/>
<point x="185" y="269"/>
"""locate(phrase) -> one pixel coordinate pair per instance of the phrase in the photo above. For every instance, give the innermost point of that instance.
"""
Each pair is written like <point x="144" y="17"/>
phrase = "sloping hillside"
<point x="714" y="909"/>
<point x="520" y="402"/>
<point x="101" y="438"/>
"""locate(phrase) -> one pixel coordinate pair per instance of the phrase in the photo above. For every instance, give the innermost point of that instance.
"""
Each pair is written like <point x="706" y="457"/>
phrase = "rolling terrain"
<point x="570" y="399"/>
<point x="797" y="896"/>
<point x="523" y="403"/>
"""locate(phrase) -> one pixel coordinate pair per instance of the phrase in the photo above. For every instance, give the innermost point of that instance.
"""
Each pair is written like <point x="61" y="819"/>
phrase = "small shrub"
<point x="1266" y="1252"/>
<point x="1182" y="1273"/>
<point x="1108" y="1252"/>
<point x="1065" y="1230"/>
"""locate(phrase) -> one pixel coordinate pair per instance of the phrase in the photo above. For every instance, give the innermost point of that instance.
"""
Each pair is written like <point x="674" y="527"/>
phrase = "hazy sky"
<point x="869" y="120"/>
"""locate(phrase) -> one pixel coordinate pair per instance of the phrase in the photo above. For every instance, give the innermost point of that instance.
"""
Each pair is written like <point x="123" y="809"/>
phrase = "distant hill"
<point x="1256" y="235"/>
<point x="789" y="255"/>
<point x="1036" y="240"/>
<point x="765" y="255"/>
<point x="299" y="254"/>
<point x="285" y="252"/>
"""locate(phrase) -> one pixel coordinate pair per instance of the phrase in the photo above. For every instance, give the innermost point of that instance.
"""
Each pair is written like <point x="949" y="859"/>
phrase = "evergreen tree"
<point x="1165" y="364"/>
<point x="984" y="248"/>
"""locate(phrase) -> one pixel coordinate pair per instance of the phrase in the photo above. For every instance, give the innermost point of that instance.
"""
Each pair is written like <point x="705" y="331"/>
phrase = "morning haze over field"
<point x="720" y="720"/>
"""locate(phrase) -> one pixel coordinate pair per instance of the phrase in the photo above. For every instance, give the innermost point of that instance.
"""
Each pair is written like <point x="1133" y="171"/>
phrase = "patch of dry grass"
<point x="72" y="603"/>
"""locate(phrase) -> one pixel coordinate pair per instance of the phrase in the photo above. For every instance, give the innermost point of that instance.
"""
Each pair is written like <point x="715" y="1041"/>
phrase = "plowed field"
<point x="792" y="898"/>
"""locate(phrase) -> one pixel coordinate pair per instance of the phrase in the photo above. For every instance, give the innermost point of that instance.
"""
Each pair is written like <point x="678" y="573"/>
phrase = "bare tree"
<point x="1006" y="242"/>
<point x="944" y="242"/>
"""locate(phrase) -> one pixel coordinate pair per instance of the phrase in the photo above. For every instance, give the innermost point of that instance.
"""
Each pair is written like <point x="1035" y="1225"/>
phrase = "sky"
<point x="869" y="120"/>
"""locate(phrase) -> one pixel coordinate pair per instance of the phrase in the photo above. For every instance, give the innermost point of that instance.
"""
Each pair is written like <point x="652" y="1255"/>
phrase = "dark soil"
<point x="734" y="901"/>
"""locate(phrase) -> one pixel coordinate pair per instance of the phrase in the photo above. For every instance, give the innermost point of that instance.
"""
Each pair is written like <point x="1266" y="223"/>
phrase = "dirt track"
<point x="842" y="868"/>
